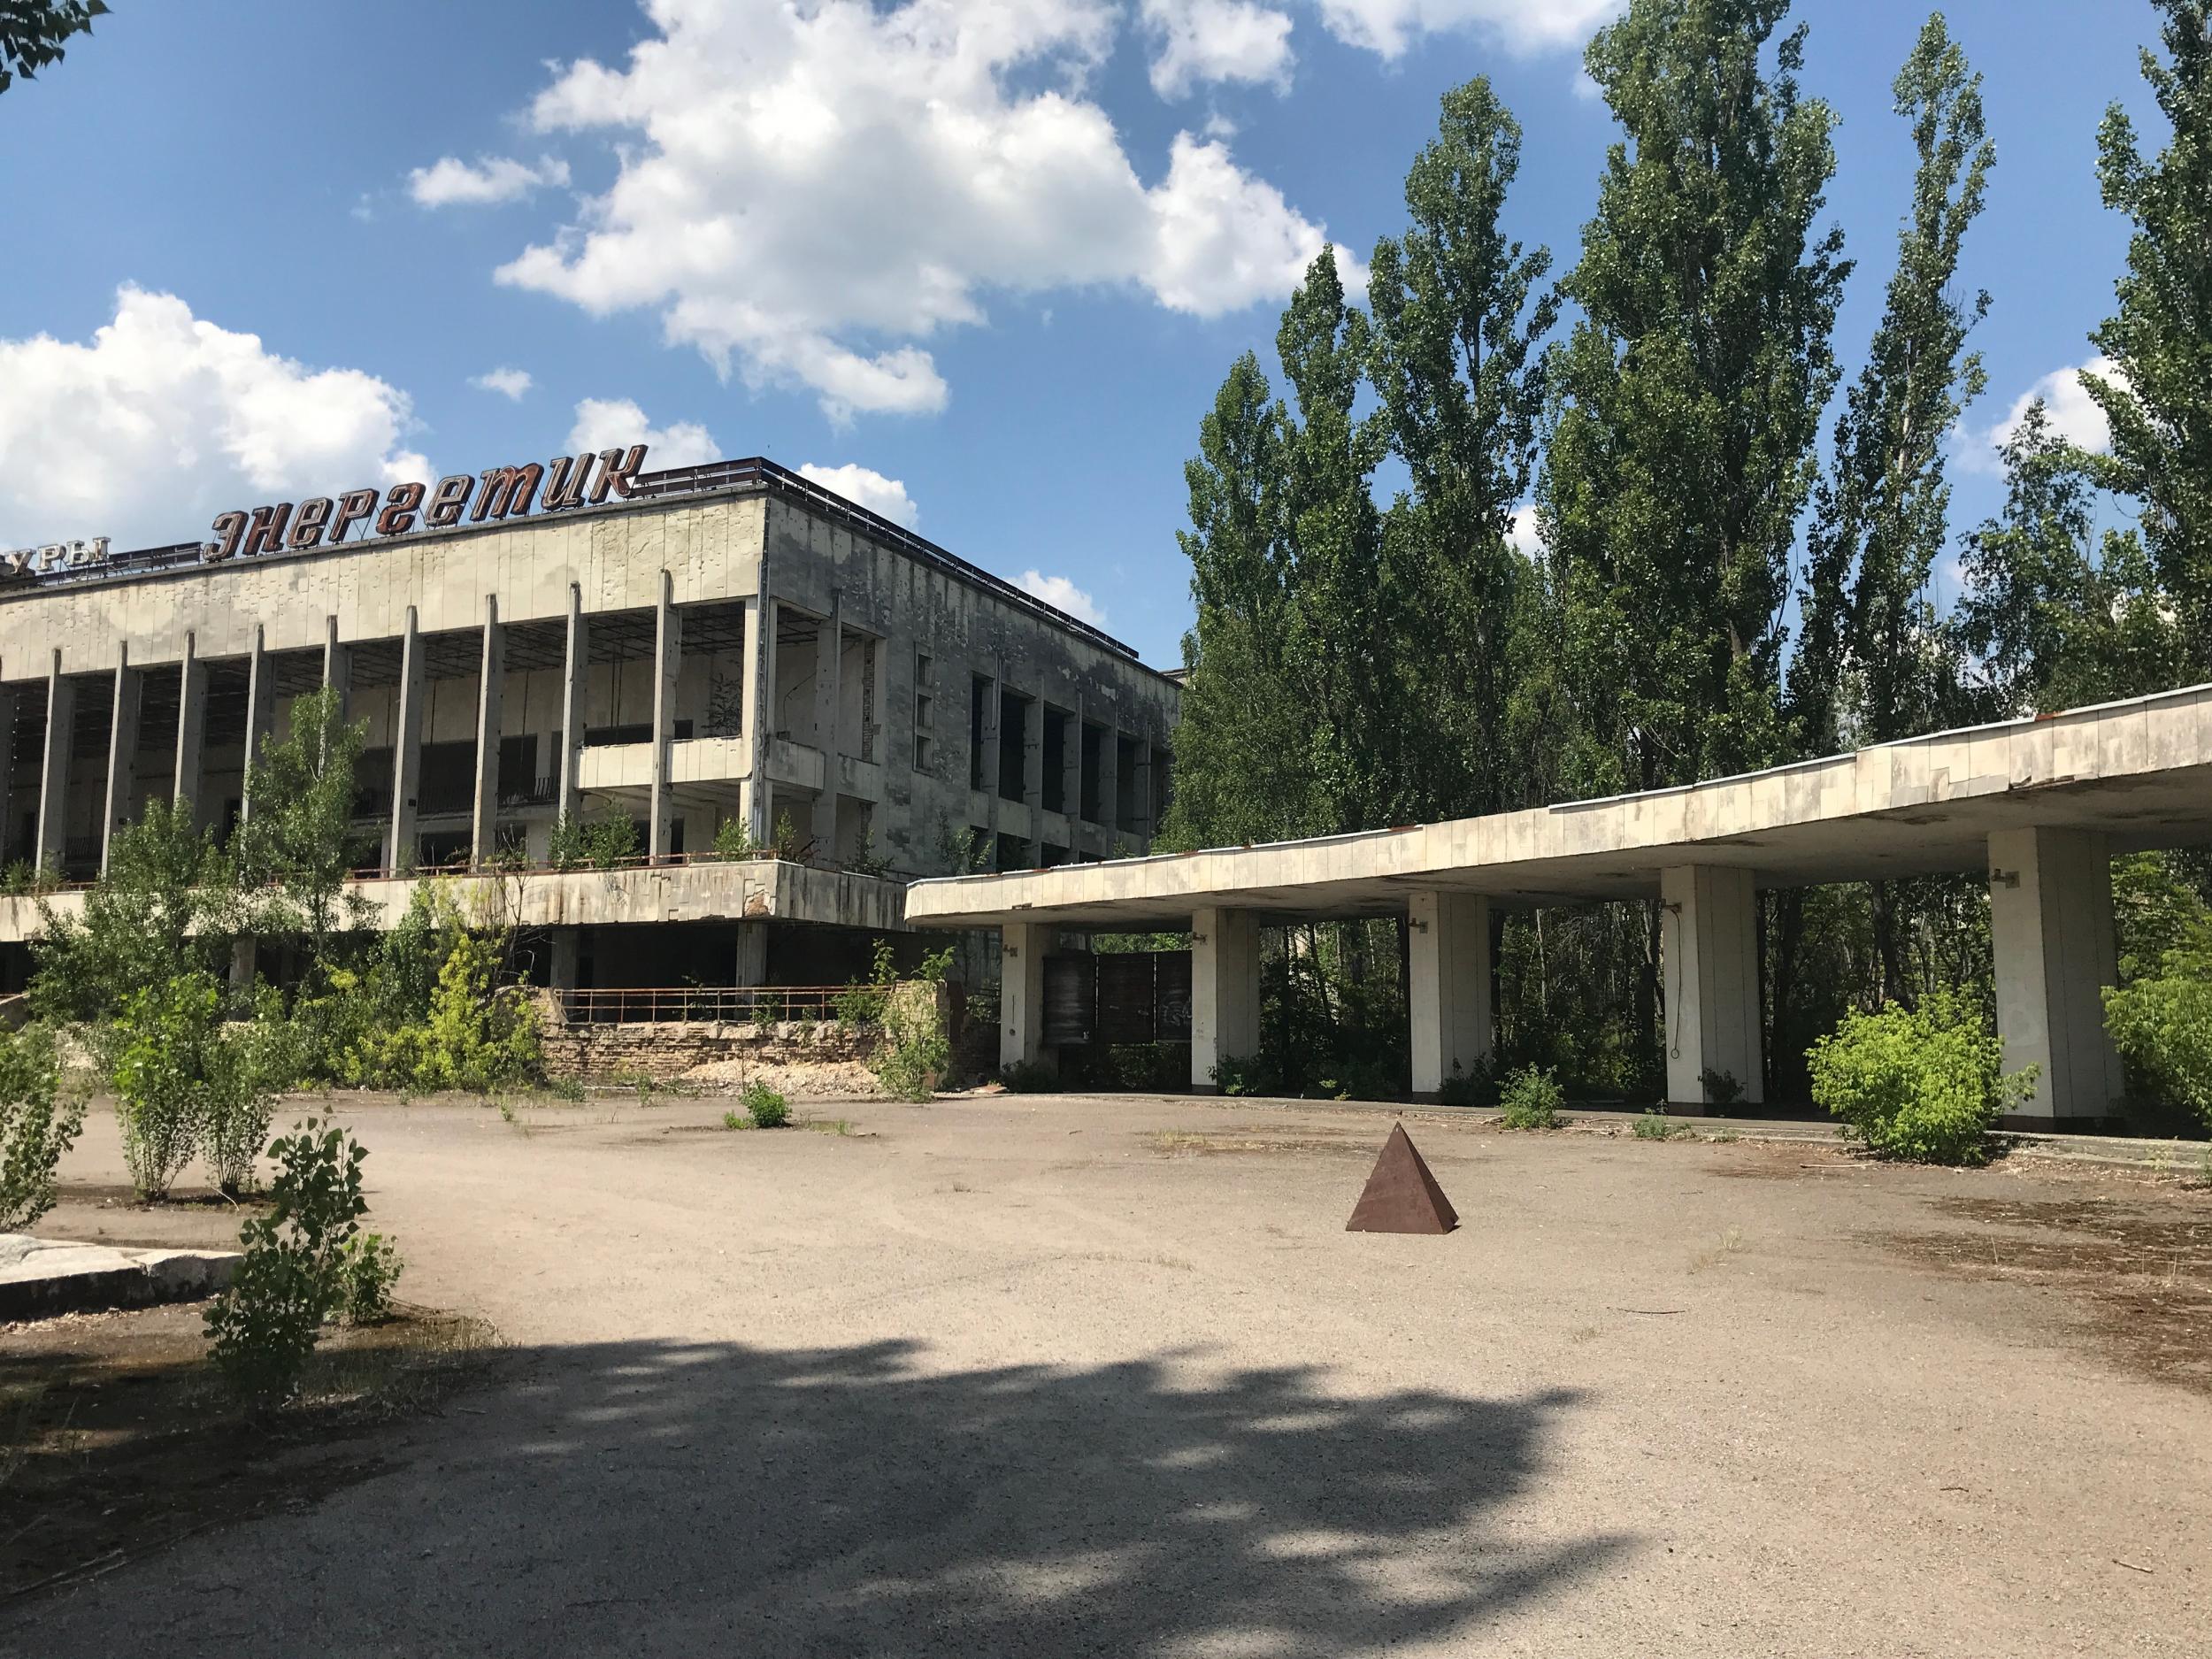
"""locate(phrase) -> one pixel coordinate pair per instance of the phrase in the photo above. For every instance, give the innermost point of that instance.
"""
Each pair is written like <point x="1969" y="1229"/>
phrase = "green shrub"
<point x="35" y="1128"/>
<point x="1721" y="1088"/>
<point x="916" y="1048"/>
<point x="732" y="839"/>
<point x="861" y="1002"/>
<point x="600" y="843"/>
<point x="732" y="1120"/>
<point x="166" y="1046"/>
<point x="1531" y="1099"/>
<point x="1922" y="1084"/>
<point x="293" y="1274"/>
<point x="2163" y="1022"/>
<point x="1247" y="1074"/>
<point x="1654" y="1125"/>
<point x="369" y="1265"/>
<point x="766" y="1107"/>
<point x="1030" y="1077"/>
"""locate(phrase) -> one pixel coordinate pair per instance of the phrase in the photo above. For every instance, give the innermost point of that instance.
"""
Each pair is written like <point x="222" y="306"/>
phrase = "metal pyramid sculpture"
<point x="1402" y="1196"/>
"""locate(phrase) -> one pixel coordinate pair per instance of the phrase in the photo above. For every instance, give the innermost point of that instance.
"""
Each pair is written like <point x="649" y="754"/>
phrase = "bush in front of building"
<point x="765" y="1106"/>
<point x="36" y="1125"/>
<point x="1923" y="1084"/>
<point x="916" y="1048"/>
<point x="2162" y="1021"/>
<point x="183" y="1084"/>
<point x="1531" y="1099"/>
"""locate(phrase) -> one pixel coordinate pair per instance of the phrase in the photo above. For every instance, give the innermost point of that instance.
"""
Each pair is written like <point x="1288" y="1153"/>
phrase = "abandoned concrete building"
<point x="712" y="646"/>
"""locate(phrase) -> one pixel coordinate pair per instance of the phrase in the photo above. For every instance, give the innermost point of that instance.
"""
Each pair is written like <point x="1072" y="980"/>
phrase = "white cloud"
<point x="2074" y="415"/>
<point x="1060" y="592"/>
<point x="1389" y="27"/>
<point x="509" y="383"/>
<point x="1522" y="531"/>
<point x="162" y="421"/>
<point x="868" y="489"/>
<point x="449" y="182"/>
<point x="609" y="423"/>
<point x="808" y="194"/>
<point x="1195" y="41"/>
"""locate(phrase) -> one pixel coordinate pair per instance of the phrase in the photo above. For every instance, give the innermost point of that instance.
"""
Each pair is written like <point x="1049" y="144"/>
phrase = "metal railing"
<point x="730" y="1005"/>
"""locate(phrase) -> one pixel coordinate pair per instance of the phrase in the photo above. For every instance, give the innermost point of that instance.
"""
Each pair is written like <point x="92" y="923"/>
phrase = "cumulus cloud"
<point x="867" y="487"/>
<point x="609" y="423"/>
<point x="162" y="421"/>
<point x="1390" y="27"/>
<point x="449" y="182"/>
<point x="1197" y="41"/>
<point x="1059" y="591"/>
<point x="2074" y="415"/>
<point x="509" y="383"/>
<point x="807" y="194"/>
<point x="1523" y="533"/>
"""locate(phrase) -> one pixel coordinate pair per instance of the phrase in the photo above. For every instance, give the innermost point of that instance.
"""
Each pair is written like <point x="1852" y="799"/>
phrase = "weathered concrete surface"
<point x="2140" y="771"/>
<point x="1061" y="1376"/>
<point x="42" y="1277"/>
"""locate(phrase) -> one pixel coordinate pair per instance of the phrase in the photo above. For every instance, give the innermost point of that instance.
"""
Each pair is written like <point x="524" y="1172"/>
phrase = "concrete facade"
<point x="2041" y="805"/>
<point x="733" y="643"/>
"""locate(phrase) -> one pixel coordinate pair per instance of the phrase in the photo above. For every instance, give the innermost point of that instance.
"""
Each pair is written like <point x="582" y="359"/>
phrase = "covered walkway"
<point x="2041" y="805"/>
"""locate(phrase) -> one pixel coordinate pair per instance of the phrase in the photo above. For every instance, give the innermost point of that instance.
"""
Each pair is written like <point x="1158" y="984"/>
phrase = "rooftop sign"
<point x="502" y="493"/>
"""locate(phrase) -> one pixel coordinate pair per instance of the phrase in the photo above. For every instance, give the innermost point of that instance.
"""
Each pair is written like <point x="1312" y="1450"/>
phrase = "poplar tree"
<point x="1457" y="369"/>
<point x="1687" y="398"/>
<point x="2158" y="396"/>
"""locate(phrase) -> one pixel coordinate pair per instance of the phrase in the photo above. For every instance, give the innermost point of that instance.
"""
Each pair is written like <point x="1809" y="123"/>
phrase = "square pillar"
<point x="1034" y="776"/>
<point x="1225" y="993"/>
<point x="2050" y="929"/>
<point x="338" y="663"/>
<point x="668" y="624"/>
<point x="1448" y="989"/>
<point x="400" y="846"/>
<point x="260" y="698"/>
<point x="7" y="762"/>
<point x="122" y="753"/>
<point x="575" y="652"/>
<point x="829" y="661"/>
<point x="1072" y="780"/>
<point x="491" y="674"/>
<point x="53" y="773"/>
<point x="754" y="792"/>
<point x="567" y="949"/>
<point x="191" y="726"/>
<point x="1709" y="977"/>
<point x="986" y="775"/>
<point x="1109" y="787"/>
<point x="1143" y="825"/>
<point x="1021" y="990"/>
<point x="752" y="954"/>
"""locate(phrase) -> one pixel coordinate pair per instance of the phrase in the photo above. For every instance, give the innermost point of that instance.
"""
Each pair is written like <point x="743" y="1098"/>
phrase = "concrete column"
<point x="751" y="967"/>
<point x="1224" y="992"/>
<point x="1034" y="776"/>
<point x="338" y="663"/>
<point x="242" y="956"/>
<point x="667" y="660"/>
<point x="260" y="700"/>
<point x="1021" y="992"/>
<point x="575" y="653"/>
<point x="1110" y="787"/>
<point x="987" y="773"/>
<point x="568" y="949"/>
<point x="829" y="660"/>
<point x="756" y="794"/>
<point x="1709" y="975"/>
<point x="7" y="764"/>
<point x="2050" y="928"/>
<point x="1071" y="780"/>
<point x="53" y="777"/>
<point x="400" y="843"/>
<point x="491" y="677"/>
<point x="1448" y="952"/>
<point x="191" y="726"/>
<point x="122" y="752"/>
<point x="1144" y="826"/>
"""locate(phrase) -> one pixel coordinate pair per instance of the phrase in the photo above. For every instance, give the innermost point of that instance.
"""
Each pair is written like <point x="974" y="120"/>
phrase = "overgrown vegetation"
<point x="765" y="1106"/>
<point x="38" y="1125"/>
<point x="916" y="1048"/>
<point x="606" y="842"/>
<point x="2161" y="1019"/>
<point x="305" y="1263"/>
<point x="1531" y="1099"/>
<point x="1925" y="1084"/>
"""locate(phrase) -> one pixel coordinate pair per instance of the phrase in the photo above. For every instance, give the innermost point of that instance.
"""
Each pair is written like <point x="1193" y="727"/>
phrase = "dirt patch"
<point x="116" y="1438"/>
<point x="2143" y="1275"/>
<point x="804" y="1080"/>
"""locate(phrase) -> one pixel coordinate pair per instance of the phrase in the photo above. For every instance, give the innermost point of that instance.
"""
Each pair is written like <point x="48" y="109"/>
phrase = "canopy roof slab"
<point x="2139" y="773"/>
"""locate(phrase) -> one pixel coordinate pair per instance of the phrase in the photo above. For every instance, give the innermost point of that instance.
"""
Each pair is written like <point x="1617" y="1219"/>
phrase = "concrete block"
<point x="40" y="1278"/>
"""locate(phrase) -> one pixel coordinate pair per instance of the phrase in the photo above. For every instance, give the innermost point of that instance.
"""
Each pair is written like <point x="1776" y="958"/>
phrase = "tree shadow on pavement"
<point x="719" y="1499"/>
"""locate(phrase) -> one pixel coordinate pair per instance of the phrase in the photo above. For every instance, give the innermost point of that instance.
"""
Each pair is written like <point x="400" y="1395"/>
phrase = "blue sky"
<point x="1001" y="252"/>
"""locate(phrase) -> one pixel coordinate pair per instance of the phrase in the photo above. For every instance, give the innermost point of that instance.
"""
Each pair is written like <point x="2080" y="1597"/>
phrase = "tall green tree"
<point x="1457" y="366"/>
<point x="297" y="847"/>
<point x="1688" y="396"/>
<point x="1872" y="662"/>
<point x="2158" y="396"/>
<point x="33" y="33"/>
<point x="2056" y="614"/>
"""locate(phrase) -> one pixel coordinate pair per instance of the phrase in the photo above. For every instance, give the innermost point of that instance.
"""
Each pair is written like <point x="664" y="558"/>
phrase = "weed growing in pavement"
<point x="1722" y="1135"/>
<point x="1653" y="1125"/>
<point x="767" y="1108"/>
<point x="1531" y="1099"/>
<point x="828" y="1125"/>
<point x="732" y="1120"/>
<point x="368" y="1266"/>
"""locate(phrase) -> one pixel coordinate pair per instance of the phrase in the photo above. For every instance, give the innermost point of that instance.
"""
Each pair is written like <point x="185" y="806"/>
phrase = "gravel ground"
<point x="1050" y="1375"/>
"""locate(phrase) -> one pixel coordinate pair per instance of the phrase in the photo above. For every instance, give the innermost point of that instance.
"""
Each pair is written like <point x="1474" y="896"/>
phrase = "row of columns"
<point x="988" y="776"/>
<point x="2051" y="925"/>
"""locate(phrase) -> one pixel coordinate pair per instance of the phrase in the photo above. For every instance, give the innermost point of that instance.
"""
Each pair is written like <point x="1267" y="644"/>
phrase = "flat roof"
<point x="2139" y="770"/>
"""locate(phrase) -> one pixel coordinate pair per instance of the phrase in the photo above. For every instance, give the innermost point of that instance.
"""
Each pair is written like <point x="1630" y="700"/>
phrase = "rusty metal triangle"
<point x="1402" y="1196"/>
